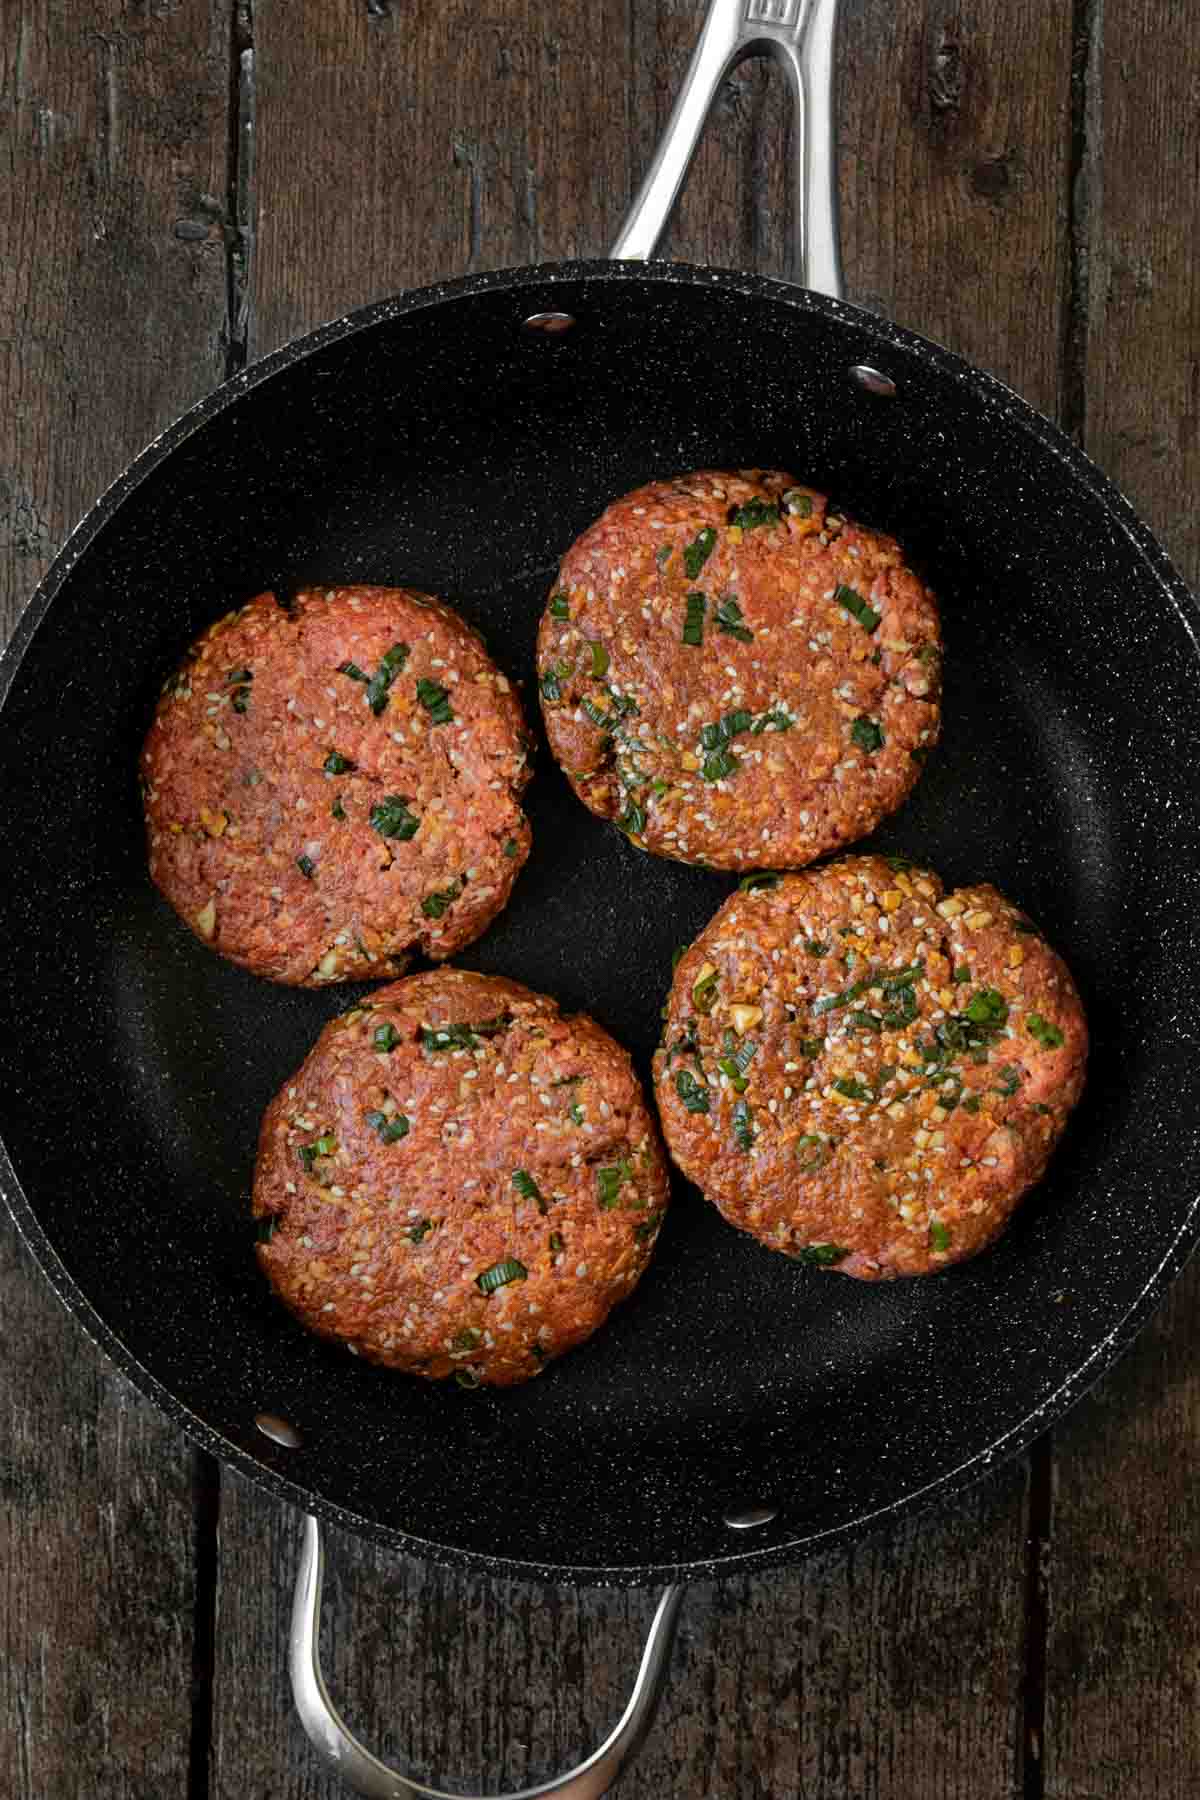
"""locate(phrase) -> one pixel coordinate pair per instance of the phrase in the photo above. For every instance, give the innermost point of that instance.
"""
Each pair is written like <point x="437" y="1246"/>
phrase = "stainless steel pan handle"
<point x="353" y="1763"/>
<point x="799" y="34"/>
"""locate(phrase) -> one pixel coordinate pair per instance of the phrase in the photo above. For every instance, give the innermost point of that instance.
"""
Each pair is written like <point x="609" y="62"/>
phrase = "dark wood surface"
<point x="187" y="184"/>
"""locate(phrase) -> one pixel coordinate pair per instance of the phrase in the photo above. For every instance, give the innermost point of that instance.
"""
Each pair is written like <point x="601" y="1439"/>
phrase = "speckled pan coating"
<point x="399" y="1166"/>
<point x="736" y="673"/>
<point x="315" y="828"/>
<point x="899" y="1065"/>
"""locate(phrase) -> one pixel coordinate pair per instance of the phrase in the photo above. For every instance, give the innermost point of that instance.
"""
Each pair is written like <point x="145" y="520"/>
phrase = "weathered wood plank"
<point x="894" y="1670"/>
<point x="96" y="1595"/>
<point x="112" y="285"/>
<point x="1124" y="1644"/>
<point x="955" y="140"/>
<point x="112" y="122"/>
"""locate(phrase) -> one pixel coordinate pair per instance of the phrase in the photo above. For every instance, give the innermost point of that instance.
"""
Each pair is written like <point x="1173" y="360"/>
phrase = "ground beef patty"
<point x="459" y="1180"/>
<point x="864" y="1074"/>
<point x="334" y="779"/>
<point x="736" y="675"/>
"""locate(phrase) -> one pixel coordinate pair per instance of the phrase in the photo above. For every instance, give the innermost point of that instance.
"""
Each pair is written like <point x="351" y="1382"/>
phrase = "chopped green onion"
<point x="939" y="1237"/>
<point x="511" y="847"/>
<point x="550" y="686"/>
<point x="798" y="503"/>
<point x="756" y="512"/>
<point x="811" y="1047"/>
<point x="266" y="1228"/>
<point x="987" y="1007"/>
<point x="1047" y="1035"/>
<point x="560" y="607"/>
<point x="500" y="1274"/>
<point x="391" y="818"/>
<point x="556" y="1242"/>
<point x="337" y="809"/>
<point x="812" y="1153"/>
<point x="460" y="1036"/>
<point x="750" y="884"/>
<point x="240" y="699"/>
<point x="662" y="555"/>
<point x="904" y="1011"/>
<point x="743" y="1126"/>
<point x="821" y="1256"/>
<point x="693" y="625"/>
<point x="576" y="1114"/>
<point x="718" y="765"/>
<point x="865" y="1021"/>
<point x="435" y="904"/>
<point x="971" y="1105"/>
<point x="697" y="553"/>
<point x="692" y="1092"/>
<point x="645" y="1231"/>
<point x="391" y="665"/>
<point x="816" y="947"/>
<point x="633" y="819"/>
<point x="337" y="764"/>
<point x="528" y="1189"/>
<point x="867" y="734"/>
<point x="609" y="1183"/>
<point x="353" y="671"/>
<point x="852" y="1089"/>
<point x="385" y="1037"/>
<point x="419" y="1231"/>
<point x="961" y="974"/>
<point x="600" y="658"/>
<point x="704" y="993"/>
<point x="388" y="1130"/>
<point x="857" y="606"/>
<point x="306" y="866"/>
<point x="436" y="701"/>
<point x="899" y="864"/>
<point x="468" y="1378"/>
<point x="731" y="725"/>
<point x="1010" y="1081"/>
<point x="466" y="1339"/>
<point x="771" y="721"/>
<point x="729" y="620"/>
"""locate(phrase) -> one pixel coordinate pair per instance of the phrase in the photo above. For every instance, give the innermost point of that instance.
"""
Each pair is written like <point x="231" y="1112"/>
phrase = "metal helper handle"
<point x="799" y="34"/>
<point x="345" y="1757"/>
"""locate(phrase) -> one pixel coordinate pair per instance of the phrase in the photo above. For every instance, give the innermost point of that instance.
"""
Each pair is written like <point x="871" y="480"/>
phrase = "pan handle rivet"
<point x="278" y="1430"/>
<point x="553" y="324"/>
<point x="746" y="1518"/>
<point x="874" y="381"/>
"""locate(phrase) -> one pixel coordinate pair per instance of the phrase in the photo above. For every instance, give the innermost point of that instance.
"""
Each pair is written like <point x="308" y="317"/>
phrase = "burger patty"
<point x="737" y="675"/>
<point x="459" y="1180"/>
<point x="864" y="1072"/>
<point x="333" y="780"/>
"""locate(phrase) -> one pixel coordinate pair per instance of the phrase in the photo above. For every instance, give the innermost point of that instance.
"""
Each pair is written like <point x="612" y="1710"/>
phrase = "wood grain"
<point x="112" y="126"/>
<point x="955" y="141"/>
<point x="1123" y="1690"/>
<point x="112" y="285"/>
<point x="96" y="1565"/>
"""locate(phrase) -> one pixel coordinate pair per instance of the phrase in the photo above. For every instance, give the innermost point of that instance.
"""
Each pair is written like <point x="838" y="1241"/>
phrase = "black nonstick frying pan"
<point x="739" y="1410"/>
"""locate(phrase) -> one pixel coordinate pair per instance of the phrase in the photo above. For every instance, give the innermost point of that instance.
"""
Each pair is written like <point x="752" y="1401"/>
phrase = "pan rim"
<point x="255" y="1466"/>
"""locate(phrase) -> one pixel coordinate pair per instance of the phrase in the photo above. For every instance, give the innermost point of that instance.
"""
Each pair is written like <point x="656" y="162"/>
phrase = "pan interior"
<point x="444" y="447"/>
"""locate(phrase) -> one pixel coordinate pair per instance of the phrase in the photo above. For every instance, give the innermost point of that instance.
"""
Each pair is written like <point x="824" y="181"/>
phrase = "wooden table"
<point x="189" y="183"/>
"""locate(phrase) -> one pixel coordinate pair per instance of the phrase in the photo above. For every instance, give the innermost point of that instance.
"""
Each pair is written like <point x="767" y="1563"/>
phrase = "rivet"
<point x="552" y="323"/>
<point x="873" y="380"/>
<point x="278" y="1430"/>
<point x="747" y="1518"/>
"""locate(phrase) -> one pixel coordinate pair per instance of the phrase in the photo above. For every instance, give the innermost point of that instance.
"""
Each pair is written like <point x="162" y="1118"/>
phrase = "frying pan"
<point x="738" y="1411"/>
